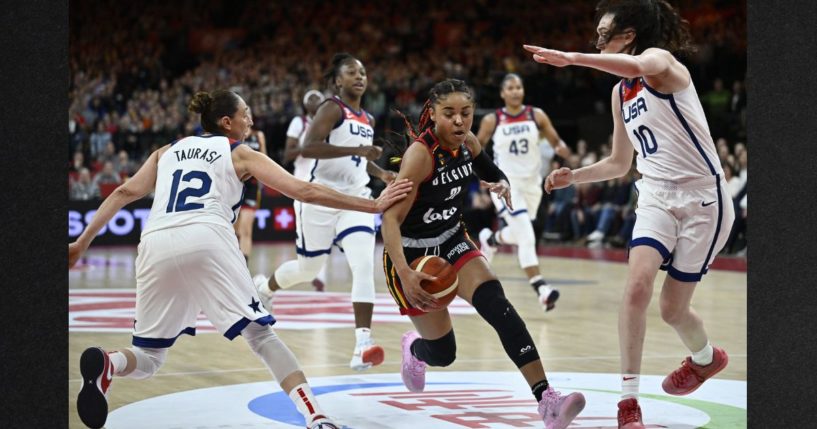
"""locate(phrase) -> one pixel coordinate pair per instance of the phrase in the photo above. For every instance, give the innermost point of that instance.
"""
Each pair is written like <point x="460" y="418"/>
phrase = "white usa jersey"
<point x="516" y="143"/>
<point x="297" y="130"/>
<point x="669" y="132"/>
<point x="346" y="174"/>
<point x="196" y="183"/>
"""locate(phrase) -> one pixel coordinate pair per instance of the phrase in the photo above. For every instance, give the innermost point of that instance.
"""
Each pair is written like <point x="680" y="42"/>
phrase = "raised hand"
<point x="394" y="192"/>
<point x="558" y="179"/>
<point x="551" y="56"/>
<point x="502" y="189"/>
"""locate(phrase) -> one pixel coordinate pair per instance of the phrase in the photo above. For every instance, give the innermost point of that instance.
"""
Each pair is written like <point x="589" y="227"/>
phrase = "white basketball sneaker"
<point x="486" y="249"/>
<point x="548" y="297"/>
<point x="366" y="355"/>
<point x="261" y="284"/>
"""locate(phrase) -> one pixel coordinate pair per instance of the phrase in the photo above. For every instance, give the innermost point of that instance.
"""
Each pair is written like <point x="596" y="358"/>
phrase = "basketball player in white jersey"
<point x="189" y="260"/>
<point x="296" y="132"/>
<point x="252" y="196"/>
<point x="340" y="139"/>
<point x="516" y="131"/>
<point x="683" y="215"/>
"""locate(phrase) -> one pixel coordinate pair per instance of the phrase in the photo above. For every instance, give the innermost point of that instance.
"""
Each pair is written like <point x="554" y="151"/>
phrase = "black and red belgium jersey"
<point x="441" y="196"/>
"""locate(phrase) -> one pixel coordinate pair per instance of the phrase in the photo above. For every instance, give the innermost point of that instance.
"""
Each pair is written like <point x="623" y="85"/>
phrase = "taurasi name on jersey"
<point x="455" y="174"/>
<point x="196" y="153"/>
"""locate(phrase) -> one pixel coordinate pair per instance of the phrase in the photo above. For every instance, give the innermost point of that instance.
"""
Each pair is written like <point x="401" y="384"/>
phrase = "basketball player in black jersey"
<point x="441" y="159"/>
<point x="251" y="199"/>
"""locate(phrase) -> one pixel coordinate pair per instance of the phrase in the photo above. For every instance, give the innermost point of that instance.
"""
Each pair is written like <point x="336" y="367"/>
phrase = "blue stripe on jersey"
<point x="160" y="343"/>
<point x="238" y="204"/>
<point x="352" y="229"/>
<point x="718" y="226"/>
<point x="234" y="145"/>
<point x="342" y="115"/>
<point x="312" y="172"/>
<point x="683" y="121"/>
<point x="655" y="244"/>
<point x="682" y="276"/>
<point x="311" y="253"/>
<point x="239" y="326"/>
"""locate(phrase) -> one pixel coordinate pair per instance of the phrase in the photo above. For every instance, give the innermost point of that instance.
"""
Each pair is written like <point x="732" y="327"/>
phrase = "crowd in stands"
<point x="135" y="65"/>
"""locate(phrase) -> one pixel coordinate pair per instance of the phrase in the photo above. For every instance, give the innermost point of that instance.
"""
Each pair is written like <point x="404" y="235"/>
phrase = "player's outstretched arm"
<point x="652" y="62"/>
<point x="248" y="161"/>
<point x="141" y="184"/>
<point x="615" y="165"/>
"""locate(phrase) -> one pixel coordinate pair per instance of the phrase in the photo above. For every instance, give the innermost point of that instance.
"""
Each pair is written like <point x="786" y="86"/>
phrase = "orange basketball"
<point x="445" y="288"/>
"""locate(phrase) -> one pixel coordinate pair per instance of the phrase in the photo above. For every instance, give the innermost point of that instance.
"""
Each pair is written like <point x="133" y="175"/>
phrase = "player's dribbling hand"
<point x="551" y="56"/>
<point x="75" y="252"/>
<point x="558" y="179"/>
<point x="394" y="192"/>
<point x="502" y="189"/>
<point x="415" y="294"/>
<point x="372" y="153"/>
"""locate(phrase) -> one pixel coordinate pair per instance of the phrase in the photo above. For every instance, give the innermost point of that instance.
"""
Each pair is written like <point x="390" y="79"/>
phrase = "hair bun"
<point x="201" y="102"/>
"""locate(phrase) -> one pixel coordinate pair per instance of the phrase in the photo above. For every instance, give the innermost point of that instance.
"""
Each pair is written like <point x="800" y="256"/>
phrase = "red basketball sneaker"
<point x="97" y="372"/>
<point x="690" y="376"/>
<point x="629" y="414"/>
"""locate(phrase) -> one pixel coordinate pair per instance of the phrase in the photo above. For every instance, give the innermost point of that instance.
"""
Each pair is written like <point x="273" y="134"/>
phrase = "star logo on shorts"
<point x="254" y="305"/>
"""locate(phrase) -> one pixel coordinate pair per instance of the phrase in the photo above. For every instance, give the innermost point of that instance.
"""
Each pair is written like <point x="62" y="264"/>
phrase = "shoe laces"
<point x="416" y="366"/>
<point x="550" y="400"/>
<point x="682" y="374"/>
<point x="630" y="414"/>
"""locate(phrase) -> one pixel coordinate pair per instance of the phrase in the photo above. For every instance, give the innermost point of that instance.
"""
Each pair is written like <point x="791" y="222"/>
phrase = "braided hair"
<point x="212" y="106"/>
<point x="440" y="90"/>
<point x="656" y="24"/>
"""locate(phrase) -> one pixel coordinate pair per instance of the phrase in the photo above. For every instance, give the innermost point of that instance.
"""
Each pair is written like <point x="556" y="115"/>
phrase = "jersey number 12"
<point x="178" y="200"/>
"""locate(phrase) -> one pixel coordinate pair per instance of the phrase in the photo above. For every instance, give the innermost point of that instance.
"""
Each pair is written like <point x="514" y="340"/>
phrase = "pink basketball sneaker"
<point x="412" y="370"/>
<point x="558" y="411"/>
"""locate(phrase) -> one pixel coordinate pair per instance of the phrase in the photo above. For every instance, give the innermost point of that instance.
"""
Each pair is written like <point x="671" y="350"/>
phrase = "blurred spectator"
<point x="124" y="167"/>
<point x="107" y="176"/>
<point x="84" y="188"/>
<point x="99" y="140"/>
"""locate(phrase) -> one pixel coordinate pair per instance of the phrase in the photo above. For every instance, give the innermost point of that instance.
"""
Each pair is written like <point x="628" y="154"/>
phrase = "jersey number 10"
<point x="178" y="203"/>
<point x="647" y="140"/>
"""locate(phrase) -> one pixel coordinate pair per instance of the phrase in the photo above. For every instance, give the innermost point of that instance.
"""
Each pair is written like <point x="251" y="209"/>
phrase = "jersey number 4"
<point x="178" y="200"/>
<point x="523" y="147"/>
<point x="647" y="140"/>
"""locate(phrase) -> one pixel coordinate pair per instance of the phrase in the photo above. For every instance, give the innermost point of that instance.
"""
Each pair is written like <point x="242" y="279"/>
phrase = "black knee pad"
<point x="491" y="304"/>
<point x="439" y="352"/>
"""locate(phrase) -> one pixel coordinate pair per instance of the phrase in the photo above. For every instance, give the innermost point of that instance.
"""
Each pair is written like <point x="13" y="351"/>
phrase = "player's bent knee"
<point x="271" y="350"/>
<point x="491" y="304"/>
<point x="148" y="361"/>
<point x="439" y="352"/>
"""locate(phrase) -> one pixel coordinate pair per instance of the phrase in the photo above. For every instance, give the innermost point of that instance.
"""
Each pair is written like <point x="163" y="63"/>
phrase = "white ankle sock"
<point x="119" y="361"/>
<point x="301" y="395"/>
<point x="704" y="356"/>
<point x="629" y="386"/>
<point x="362" y="335"/>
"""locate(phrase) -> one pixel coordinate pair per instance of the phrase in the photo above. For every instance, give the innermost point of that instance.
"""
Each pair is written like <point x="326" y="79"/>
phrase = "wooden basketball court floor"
<point x="580" y="335"/>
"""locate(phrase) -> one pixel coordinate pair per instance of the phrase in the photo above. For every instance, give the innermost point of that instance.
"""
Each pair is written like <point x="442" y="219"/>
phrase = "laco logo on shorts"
<point x="431" y="216"/>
